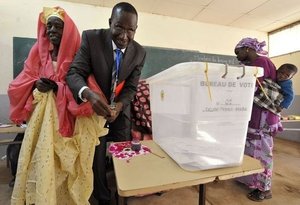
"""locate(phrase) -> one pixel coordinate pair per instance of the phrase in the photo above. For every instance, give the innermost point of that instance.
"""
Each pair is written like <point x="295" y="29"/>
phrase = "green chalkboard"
<point x="157" y="58"/>
<point x="21" y="48"/>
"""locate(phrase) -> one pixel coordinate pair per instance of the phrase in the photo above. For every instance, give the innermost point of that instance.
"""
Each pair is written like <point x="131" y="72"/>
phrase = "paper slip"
<point x="5" y="125"/>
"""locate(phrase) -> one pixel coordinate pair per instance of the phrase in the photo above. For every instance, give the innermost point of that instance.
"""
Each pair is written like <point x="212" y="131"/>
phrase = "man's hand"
<point x="98" y="103"/>
<point x="44" y="85"/>
<point x="115" y="111"/>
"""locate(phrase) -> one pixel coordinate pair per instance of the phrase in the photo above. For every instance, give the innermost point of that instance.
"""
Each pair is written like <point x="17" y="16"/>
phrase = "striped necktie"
<point x="115" y="75"/>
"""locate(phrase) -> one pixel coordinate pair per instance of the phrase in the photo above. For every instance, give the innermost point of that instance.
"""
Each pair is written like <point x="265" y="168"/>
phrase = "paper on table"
<point x="5" y="125"/>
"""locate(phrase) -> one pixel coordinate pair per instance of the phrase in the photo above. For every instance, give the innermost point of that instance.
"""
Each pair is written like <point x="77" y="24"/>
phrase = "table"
<point x="10" y="130"/>
<point x="290" y="121"/>
<point x="157" y="172"/>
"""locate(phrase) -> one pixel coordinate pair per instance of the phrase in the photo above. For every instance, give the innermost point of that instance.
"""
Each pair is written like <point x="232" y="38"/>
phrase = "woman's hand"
<point x="45" y="84"/>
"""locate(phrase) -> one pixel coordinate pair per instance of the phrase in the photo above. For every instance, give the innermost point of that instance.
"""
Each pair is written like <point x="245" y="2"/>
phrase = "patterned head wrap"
<point x="49" y="12"/>
<point x="254" y="44"/>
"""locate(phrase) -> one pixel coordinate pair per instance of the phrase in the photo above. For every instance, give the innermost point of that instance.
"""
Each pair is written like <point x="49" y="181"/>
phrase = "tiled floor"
<point x="286" y="185"/>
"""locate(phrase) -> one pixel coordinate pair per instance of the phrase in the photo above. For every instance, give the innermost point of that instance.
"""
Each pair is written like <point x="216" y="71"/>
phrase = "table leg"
<point x="202" y="194"/>
<point x="7" y="160"/>
<point x="121" y="200"/>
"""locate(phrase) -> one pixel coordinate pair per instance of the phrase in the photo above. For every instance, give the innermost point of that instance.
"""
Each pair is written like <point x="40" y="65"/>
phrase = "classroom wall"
<point x="19" y="19"/>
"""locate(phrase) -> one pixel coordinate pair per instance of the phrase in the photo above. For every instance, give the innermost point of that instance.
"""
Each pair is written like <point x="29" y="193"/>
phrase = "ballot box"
<point x="200" y="112"/>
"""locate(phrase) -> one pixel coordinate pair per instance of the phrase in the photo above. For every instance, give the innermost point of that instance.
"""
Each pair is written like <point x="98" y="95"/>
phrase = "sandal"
<point x="257" y="195"/>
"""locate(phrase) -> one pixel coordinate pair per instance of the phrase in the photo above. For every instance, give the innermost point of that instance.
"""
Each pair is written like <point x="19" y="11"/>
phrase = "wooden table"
<point x="10" y="130"/>
<point x="291" y="121"/>
<point x="150" y="173"/>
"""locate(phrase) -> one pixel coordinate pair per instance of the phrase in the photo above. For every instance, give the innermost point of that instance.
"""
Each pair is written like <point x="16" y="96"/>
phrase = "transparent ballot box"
<point x="200" y="112"/>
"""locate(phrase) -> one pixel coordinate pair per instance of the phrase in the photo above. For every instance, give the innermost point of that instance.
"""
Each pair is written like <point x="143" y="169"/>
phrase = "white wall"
<point x="19" y="19"/>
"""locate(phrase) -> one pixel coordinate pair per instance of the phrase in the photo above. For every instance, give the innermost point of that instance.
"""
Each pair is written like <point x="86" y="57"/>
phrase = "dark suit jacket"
<point x="95" y="56"/>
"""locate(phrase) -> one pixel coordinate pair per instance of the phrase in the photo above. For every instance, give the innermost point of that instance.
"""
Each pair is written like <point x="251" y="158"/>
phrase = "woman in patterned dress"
<point x="263" y="125"/>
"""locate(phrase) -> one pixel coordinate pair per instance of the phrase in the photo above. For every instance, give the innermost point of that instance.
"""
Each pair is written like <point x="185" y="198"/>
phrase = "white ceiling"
<point x="260" y="15"/>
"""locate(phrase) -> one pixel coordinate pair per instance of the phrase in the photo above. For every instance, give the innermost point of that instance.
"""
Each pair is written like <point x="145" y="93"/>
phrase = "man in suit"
<point x="97" y="55"/>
